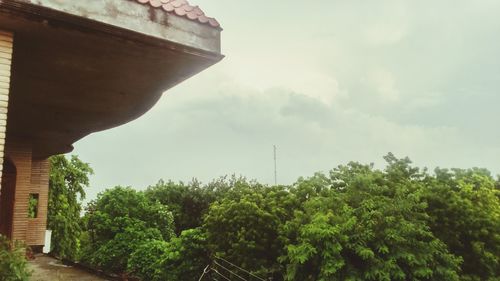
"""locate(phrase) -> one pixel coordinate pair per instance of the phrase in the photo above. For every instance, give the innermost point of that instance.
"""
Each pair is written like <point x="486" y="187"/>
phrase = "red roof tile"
<point x="182" y="8"/>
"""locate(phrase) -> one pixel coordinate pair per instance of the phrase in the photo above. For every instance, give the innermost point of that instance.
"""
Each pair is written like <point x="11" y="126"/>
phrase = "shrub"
<point x="464" y="210"/>
<point x="372" y="226"/>
<point x="183" y="258"/>
<point x="146" y="263"/>
<point x="118" y="222"/>
<point x="13" y="265"/>
<point x="68" y="179"/>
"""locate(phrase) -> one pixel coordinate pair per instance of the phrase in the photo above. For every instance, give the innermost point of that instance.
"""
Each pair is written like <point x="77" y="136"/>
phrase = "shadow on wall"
<point x="7" y="197"/>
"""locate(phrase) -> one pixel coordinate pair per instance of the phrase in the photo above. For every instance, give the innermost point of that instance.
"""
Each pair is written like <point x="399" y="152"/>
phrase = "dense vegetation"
<point x="68" y="178"/>
<point x="13" y="264"/>
<point x="354" y="223"/>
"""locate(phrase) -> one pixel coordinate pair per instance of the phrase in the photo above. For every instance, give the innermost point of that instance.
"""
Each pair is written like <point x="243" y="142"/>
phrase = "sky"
<point x="327" y="82"/>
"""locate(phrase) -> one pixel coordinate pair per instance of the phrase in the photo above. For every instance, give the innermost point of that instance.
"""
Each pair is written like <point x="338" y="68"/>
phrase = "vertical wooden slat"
<point x="32" y="175"/>
<point x="6" y="49"/>
<point x="40" y="186"/>
<point x="19" y="152"/>
<point x="32" y="178"/>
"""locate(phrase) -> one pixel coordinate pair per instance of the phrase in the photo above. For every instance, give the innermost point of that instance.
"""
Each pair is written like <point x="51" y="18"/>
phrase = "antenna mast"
<point x="275" y="167"/>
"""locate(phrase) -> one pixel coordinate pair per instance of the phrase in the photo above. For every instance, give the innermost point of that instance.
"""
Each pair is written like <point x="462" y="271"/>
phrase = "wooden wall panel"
<point x="32" y="178"/>
<point x="40" y="186"/>
<point x="32" y="175"/>
<point x="6" y="47"/>
<point x="19" y="151"/>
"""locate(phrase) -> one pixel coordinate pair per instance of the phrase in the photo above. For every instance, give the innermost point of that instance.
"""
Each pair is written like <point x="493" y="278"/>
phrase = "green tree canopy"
<point x="354" y="223"/>
<point x="464" y="209"/>
<point x="118" y="222"/>
<point x="245" y="227"/>
<point x="68" y="179"/>
<point x="372" y="225"/>
<point x="187" y="202"/>
<point x="182" y="258"/>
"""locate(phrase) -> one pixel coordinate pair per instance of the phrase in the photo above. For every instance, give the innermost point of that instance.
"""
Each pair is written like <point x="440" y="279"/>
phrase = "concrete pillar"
<point x="6" y="47"/>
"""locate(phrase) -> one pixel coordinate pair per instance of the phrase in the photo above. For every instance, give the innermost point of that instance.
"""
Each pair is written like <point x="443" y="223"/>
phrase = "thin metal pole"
<point x="275" y="168"/>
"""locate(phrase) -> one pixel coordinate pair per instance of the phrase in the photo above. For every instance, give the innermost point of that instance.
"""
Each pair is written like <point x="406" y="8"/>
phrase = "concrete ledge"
<point x="139" y="18"/>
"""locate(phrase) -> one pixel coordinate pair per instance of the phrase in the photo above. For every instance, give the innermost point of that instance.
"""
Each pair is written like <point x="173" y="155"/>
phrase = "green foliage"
<point x="464" y="209"/>
<point x="13" y="265"/>
<point x="118" y="222"/>
<point x="354" y="223"/>
<point x="245" y="227"/>
<point x="187" y="202"/>
<point x="113" y="255"/>
<point x="182" y="258"/>
<point x="190" y="202"/>
<point x="146" y="262"/>
<point x="68" y="178"/>
<point x="32" y="207"/>
<point x="370" y="226"/>
<point x="186" y="257"/>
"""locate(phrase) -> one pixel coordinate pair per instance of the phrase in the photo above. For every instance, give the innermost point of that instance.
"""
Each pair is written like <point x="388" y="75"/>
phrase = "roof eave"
<point x="129" y="20"/>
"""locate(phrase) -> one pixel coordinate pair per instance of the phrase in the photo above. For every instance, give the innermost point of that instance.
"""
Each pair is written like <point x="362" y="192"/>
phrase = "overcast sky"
<point x="327" y="82"/>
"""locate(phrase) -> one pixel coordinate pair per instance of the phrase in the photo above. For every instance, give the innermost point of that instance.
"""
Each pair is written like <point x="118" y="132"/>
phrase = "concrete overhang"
<point x="84" y="66"/>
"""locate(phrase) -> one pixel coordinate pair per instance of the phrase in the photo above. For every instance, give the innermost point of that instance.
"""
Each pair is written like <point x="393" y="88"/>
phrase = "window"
<point x="33" y="206"/>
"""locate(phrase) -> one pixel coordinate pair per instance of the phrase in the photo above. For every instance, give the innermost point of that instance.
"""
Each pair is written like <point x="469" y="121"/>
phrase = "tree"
<point x="68" y="178"/>
<point x="113" y="255"/>
<point x="190" y="202"/>
<point x="354" y="223"/>
<point x="182" y="258"/>
<point x="464" y="209"/>
<point x="372" y="225"/>
<point x="118" y="222"/>
<point x="187" y="202"/>
<point x="244" y="228"/>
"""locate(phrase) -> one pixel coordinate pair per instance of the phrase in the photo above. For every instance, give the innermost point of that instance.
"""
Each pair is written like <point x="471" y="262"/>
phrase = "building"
<point x="70" y="68"/>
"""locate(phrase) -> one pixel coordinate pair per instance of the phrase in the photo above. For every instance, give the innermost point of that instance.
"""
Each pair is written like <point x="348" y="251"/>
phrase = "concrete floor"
<point x="48" y="269"/>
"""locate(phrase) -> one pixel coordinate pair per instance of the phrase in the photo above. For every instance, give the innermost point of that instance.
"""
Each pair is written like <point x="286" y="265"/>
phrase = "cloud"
<point x="328" y="83"/>
<point x="226" y="133"/>
<point x="384" y="84"/>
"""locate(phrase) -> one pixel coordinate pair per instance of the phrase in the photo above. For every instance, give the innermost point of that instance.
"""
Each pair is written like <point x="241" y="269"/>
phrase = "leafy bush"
<point x="464" y="209"/>
<point x="182" y="258"/>
<point x="186" y="257"/>
<point x="372" y="225"/>
<point x="146" y="261"/>
<point x="13" y="265"/>
<point x="68" y="178"/>
<point x="118" y="222"/>
<point x="245" y="227"/>
<point x="190" y="202"/>
<point x="355" y="223"/>
<point x="187" y="202"/>
<point x="113" y="255"/>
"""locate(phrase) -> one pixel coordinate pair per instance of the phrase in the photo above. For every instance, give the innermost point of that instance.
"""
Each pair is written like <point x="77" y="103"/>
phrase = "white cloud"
<point x="327" y="82"/>
<point x="383" y="34"/>
<point x="263" y="72"/>
<point x="384" y="83"/>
